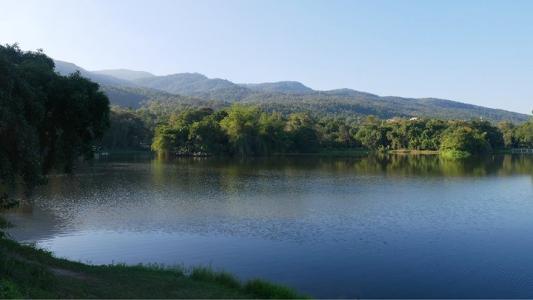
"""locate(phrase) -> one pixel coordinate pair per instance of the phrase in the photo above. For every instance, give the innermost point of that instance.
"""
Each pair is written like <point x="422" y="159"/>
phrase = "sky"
<point x="476" y="51"/>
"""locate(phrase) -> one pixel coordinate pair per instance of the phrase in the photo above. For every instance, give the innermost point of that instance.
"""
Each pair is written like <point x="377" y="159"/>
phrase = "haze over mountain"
<point x="125" y="74"/>
<point x="66" y="68"/>
<point x="137" y="88"/>
<point x="286" y="87"/>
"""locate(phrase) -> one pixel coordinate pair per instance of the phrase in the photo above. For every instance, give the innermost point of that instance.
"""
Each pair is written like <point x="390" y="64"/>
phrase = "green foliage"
<point x="272" y="135"/>
<point x="206" y="274"/>
<point x="127" y="131"/>
<point x="165" y="139"/>
<point x="493" y="134"/>
<point x="46" y="120"/>
<point x="267" y="290"/>
<point x="300" y="127"/>
<point x="372" y="136"/>
<point x="207" y="136"/>
<point x="242" y="127"/>
<point x="240" y="130"/>
<point x="9" y="290"/>
<point x="460" y="141"/>
<point x="508" y="133"/>
<point x="524" y="135"/>
<point x="245" y="130"/>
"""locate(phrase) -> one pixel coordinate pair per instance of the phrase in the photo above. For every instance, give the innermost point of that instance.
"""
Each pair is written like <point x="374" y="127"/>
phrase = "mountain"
<point x="194" y="89"/>
<point x="285" y="87"/>
<point x="66" y="68"/>
<point x="125" y="74"/>
<point x="197" y="85"/>
<point x="121" y="92"/>
<point x="130" y="96"/>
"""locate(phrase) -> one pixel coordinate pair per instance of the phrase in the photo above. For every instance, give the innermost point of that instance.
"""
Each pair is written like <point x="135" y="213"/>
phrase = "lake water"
<point x="385" y="227"/>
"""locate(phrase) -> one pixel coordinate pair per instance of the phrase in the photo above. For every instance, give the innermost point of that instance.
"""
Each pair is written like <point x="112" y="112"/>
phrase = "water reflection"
<point x="394" y="165"/>
<point x="377" y="226"/>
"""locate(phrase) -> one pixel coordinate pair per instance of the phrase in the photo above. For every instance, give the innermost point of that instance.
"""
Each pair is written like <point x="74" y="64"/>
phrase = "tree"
<point x="372" y="136"/>
<point x="524" y="135"/>
<point x="165" y="139"/>
<point x="207" y="137"/>
<point x="242" y="127"/>
<point x="302" y="133"/>
<point x="493" y="135"/>
<point x="272" y="136"/>
<point x="127" y="131"/>
<point x="46" y="120"/>
<point x="77" y="114"/>
<point x="507" y="129"/>
<point x="464" y="141"/>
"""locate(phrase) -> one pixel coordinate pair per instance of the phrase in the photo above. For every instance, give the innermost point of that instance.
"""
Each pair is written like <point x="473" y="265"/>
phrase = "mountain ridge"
<point x="287" y="87"/>
<point x="125" y="74"/>
<point x="283" y="96"/>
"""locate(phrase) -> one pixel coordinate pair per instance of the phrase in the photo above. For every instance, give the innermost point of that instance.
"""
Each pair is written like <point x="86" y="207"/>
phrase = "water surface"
<point x="384" y="227"/>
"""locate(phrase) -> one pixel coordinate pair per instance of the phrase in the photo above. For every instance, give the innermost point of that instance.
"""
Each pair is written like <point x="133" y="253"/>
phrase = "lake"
<point x="368" y="227"/>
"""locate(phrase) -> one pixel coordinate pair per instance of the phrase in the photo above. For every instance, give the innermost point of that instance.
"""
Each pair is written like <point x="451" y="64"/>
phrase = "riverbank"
<point x="27" y="272"/>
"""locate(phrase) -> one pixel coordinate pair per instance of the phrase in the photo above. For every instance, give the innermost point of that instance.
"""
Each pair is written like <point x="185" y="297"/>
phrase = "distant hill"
<point x="197" y="85"/>
<point x="363" y="104"/>
<point x="130" y="97"/>
<point x="125" y="74"/>
<point x="190" y="89"/>
<point x="285" y="87"/>
<point x="66" y="68"/>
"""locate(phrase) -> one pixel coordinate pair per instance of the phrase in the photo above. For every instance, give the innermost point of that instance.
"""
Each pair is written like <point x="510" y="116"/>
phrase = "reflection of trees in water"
<point x="397" y="165"/>
<point x="230" y="184"/>
<point x="32" y="223"/>
<point x="221" y="194"/>
<point x="434" y="165"/>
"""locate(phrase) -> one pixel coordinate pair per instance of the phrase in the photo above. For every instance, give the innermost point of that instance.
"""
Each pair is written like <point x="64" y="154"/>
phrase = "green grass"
<point x="27" y="272"/>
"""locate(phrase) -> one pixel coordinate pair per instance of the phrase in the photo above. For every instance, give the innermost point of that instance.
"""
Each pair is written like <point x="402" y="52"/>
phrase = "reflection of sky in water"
<point x="367" y="227"/>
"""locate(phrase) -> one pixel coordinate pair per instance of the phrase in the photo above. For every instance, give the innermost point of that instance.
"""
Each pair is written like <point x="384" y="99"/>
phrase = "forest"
<point x="248" y="130"/>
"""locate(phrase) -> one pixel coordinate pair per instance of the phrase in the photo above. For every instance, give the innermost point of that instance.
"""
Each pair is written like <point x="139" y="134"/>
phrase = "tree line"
<point x="245" y="130"/>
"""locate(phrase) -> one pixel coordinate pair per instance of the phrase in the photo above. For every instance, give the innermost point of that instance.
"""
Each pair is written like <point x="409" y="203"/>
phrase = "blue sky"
<point x="478" y="52"/>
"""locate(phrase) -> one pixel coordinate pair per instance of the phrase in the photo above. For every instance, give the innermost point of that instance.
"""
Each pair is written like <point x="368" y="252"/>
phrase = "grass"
<point x="27" y="272"/>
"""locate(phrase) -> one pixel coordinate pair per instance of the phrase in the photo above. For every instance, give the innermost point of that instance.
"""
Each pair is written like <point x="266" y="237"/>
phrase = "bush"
<point x="464" y="141"/>
<point x="9" y="290"/>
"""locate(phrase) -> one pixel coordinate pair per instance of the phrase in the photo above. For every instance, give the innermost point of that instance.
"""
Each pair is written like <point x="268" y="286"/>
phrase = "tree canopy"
<point x="246" y="130"/>
<point x="47" y="121"/>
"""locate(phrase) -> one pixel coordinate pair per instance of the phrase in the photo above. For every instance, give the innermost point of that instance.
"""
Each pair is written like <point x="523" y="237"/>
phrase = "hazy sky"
<point x="479" y="52"/>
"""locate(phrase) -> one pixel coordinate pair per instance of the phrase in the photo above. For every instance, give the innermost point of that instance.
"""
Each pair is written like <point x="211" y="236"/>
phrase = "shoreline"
<point x="29" y="272"/>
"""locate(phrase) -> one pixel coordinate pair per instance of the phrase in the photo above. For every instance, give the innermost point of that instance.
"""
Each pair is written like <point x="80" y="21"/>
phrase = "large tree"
<point x="47" y="121"/>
